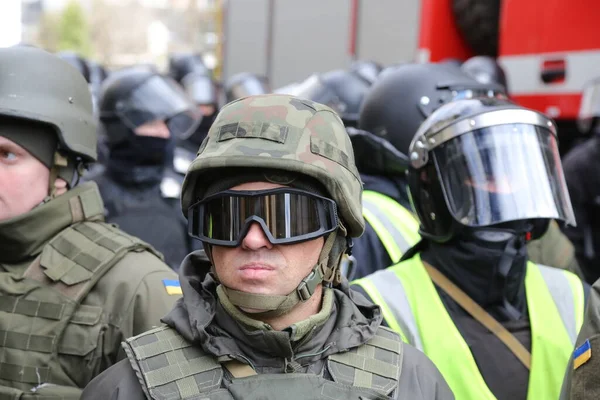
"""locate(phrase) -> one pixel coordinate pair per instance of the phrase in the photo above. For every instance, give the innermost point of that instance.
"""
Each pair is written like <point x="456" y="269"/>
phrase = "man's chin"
<point x="251" y="310"/>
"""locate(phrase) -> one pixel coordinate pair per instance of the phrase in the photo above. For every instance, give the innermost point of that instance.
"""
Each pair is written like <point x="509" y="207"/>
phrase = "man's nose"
<point x="256" y="238"/>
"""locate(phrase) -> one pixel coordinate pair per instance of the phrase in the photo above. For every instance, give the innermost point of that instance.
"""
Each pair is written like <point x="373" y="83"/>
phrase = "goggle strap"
<point x="328" y="273"/>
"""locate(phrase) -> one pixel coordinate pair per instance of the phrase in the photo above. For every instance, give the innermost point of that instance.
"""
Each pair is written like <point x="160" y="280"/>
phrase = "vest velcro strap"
<point x="76" y="209"/>
<point x="24" y="374"/>
<point x="377" y="367"/>
<point x="159" y="347"/>
<point x="105" y="237"/>
<point x="87" y="315"/>
<point x="76" y="257"/>
<point x="238" y="369"/>
<point x="91" y="204"/>
<point x="183" y="369"/>
<point x="363" y="379"/>
<point x="23" y="341"/>
<point x="386" y="344"/>
<point x="32" y="308"/>
<point x="188" y="388"/>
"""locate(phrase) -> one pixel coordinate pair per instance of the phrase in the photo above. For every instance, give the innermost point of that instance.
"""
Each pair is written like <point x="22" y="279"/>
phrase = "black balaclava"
<point x="138" y="160"/>
<point x="488" y="264"/>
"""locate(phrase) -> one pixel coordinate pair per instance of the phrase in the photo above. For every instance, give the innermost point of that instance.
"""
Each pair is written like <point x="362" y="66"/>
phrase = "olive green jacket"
<point x="584" y="381"/>
<point x="72" y="288"/>
<point x="554" y="249"/>
<point x="295" y="363"/>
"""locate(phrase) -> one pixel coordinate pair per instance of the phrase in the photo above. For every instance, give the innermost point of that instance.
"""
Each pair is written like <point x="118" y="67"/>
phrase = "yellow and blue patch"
<point x="582" y="354"/>
<point x="172" y="286"/>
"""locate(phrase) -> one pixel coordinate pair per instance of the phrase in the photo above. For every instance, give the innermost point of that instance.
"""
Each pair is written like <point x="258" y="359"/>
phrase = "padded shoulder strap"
<point x="74" y="260"/>
<point x="168" y="367"/>
<point x="375" y="365"/>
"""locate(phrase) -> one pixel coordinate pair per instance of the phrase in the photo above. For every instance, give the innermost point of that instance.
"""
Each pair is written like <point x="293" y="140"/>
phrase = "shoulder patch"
<point x="172" y="286"/>
<point x="582" y="354"/>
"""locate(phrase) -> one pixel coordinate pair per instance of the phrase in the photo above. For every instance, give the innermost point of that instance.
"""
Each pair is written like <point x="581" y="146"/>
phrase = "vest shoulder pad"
<point x="165" y="362"/>
<point x="87" y="250"/>
<point x="375" y="365"/>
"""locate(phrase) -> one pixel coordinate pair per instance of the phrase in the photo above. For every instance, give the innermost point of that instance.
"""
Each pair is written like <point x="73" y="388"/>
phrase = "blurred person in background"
<point x="142" y="114"/>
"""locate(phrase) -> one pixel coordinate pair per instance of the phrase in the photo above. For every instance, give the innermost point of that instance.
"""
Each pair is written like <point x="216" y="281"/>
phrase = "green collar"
<point x="24" y="236"/>
<point x="299" y="329"/>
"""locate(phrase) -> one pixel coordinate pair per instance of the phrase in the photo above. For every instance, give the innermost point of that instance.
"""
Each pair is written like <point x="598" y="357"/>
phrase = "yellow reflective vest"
<point x="395" y="226"/>
<point x="411" y="306"/>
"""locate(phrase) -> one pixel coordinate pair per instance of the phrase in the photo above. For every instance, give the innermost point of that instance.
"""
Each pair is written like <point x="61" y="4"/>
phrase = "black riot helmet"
<point x="182" y="64"/>
<point x="589" y="110"/>
<point x="375" y="155"/>
<point x="403" y="97"/>
<point x="367" y="70"/>
<point x="98" y="73"/>
<point x="486" y="162"/>
<point x="77" y="61"/>
<point x="201" y="88"/>
<point x="341" y="90"/>
<point x="485" y="69"/>
<point x="134" y="96"/>
<point x="203" y="91"/>
<point x="245" y="84"/>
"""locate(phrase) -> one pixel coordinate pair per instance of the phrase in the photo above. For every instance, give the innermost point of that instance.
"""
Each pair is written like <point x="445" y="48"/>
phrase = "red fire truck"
<point x="548" y="49"/>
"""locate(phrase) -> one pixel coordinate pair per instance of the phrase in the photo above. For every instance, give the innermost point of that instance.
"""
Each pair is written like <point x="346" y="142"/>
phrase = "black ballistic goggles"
<point x="286" y="216"/>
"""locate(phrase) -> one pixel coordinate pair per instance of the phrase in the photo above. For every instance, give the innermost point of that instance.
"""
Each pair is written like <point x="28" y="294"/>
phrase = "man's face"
<point x="157" y="128"/>
<point x="259" y="267"/>
<point x="23" y="180"/>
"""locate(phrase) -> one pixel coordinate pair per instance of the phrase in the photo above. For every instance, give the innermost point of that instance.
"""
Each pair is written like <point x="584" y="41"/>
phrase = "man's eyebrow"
<point x="9" y="145"/>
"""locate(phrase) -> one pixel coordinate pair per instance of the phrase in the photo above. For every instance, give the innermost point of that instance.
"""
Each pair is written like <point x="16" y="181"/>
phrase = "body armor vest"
<point x="42" y="320"/>
<point x="169" y="367"/>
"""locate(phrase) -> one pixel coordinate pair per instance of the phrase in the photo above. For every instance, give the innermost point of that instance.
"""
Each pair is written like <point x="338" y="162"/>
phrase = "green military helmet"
<point x="36" y="85"/>
<point x="286" y="133"/>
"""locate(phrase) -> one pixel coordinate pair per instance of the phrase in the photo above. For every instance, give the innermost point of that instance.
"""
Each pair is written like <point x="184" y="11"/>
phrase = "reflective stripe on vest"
<point x="553" y="302"/>
<point x="395" y="226"/>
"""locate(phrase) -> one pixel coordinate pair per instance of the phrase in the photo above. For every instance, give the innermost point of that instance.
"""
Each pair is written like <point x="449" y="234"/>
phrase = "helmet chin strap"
<point x="60" y="162"/>
<point x="277" y="305"/>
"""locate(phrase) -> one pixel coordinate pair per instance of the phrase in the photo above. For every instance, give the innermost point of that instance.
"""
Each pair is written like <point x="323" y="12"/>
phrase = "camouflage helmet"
<point x="38" y="86"/>
<point x="281" y="132"/>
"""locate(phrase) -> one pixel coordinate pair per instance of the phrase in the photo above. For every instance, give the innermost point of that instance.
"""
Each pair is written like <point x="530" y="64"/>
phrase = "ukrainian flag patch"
<point x="172" y="286"/>
<point x="582" y="354"/>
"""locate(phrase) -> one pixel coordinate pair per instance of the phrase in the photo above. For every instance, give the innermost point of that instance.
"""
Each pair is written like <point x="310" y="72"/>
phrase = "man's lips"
<point x="255" y="271"/>
<point x="256" y="266"/>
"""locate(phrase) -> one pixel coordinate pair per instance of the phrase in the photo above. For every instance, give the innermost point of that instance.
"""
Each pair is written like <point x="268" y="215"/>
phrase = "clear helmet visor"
<point x="251" y="86"/>
<point x="200" y="88"/>
<point x="160" y="98"/>
<point x="503" y="173"/>
<point x="313" y="89"/>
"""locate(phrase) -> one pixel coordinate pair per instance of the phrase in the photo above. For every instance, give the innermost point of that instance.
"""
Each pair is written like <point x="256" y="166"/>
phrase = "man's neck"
<point x="301" y="312"/>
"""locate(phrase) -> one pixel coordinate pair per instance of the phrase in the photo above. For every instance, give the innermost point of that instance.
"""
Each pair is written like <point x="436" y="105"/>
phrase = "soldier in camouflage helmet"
<point x="71" y="286"/>
<point x="275" y="197"/>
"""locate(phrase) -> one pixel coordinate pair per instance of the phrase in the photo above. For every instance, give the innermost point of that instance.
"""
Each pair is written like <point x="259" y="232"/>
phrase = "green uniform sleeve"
<point x="554" y="249"/>
<point x="420" y="378"/>
<point x="134" y="298"/>
<point x="584" y="381"/>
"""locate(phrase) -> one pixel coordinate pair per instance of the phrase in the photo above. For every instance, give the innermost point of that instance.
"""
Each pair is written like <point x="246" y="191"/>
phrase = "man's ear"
<point x="60" y="186"/>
